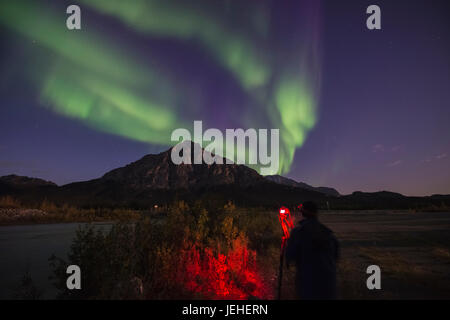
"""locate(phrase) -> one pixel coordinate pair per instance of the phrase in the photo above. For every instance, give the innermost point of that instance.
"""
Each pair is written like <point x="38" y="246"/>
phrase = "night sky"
<point x="357" y="109"/>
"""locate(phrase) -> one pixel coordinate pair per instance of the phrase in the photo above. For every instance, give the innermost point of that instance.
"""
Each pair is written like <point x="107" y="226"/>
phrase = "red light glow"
<point x="219" y="276"/>
<point x="286" y="221"/>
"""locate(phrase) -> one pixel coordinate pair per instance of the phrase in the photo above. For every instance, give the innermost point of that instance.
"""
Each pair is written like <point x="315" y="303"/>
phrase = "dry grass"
<point x="442" y="254"/>
<point x="411" y="249"/>
<point x="12" y="212"/>
<point x="9" y="202"/>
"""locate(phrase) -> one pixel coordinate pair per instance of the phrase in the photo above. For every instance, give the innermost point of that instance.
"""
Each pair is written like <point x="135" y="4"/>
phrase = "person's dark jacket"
<point x="315" y="251"/>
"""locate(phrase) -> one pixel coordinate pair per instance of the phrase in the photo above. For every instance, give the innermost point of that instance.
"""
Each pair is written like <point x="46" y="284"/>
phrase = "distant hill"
<point x="24" y="182"/>
<point x="391" y="200"/>
<point x="290" y="182"/>
<point x="14" y="184"/>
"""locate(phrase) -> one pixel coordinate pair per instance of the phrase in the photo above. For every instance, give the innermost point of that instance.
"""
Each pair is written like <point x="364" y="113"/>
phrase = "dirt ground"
<point x="411" y="249"/>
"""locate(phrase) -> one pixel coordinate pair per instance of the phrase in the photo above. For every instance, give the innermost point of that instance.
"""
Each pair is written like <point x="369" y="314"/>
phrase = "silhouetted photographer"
<point x="315" y="251"/>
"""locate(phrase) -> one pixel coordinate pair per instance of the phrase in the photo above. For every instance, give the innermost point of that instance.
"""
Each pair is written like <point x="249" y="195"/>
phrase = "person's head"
<point x="309" y="209"/>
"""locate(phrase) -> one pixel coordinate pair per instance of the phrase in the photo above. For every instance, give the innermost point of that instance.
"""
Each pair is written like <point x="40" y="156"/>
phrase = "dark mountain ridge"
<point x="154" y="172"/>
<point x="155" y="179"/>
<point x="290" y="182"/>
<point x="25" y="182"/>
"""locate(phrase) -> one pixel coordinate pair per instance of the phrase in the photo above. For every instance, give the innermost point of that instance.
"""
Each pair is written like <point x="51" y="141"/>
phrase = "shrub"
<point x="187" y="254"/>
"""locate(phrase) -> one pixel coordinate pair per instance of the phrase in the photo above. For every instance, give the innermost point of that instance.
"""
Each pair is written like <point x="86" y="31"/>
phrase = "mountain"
<point x="15" y="183"/>
<point x="158" y="172"/>
<point x="290" y="182"/>
<point x="154" y="179"/>
<point x="24" y="182"/>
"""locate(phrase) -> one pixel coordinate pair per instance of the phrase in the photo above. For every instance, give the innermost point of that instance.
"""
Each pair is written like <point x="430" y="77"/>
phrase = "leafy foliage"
<point x="185" y="253"/>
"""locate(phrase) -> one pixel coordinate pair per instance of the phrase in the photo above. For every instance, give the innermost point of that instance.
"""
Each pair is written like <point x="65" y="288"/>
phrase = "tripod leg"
<point x="280" y="270"/>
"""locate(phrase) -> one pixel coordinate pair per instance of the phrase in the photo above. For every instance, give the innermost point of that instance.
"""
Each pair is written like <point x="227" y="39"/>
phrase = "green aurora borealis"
<point x="94" y="77"/>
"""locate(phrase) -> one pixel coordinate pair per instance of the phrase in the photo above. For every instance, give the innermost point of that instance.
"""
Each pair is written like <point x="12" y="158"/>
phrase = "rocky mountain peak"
<point x="159" y="172"/>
